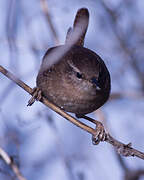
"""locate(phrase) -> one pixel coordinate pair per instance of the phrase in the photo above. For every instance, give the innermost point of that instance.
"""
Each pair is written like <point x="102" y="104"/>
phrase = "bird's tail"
<point x="79" y="29"/>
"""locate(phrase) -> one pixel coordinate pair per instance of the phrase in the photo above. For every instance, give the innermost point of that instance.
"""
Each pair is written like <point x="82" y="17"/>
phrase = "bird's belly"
<point x="75" y="104"/>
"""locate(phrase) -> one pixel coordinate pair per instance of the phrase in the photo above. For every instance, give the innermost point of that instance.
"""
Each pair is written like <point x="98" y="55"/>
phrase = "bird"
<point x="79" y="82"/>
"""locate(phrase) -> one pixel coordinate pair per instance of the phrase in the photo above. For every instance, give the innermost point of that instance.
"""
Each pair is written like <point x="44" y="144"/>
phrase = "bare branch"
<point x="10" y="163"/>
<point x="123" y="149"/>
<point x="45" y="9"/>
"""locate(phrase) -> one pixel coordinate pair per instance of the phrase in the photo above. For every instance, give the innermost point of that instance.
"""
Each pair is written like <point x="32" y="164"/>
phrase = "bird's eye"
<point x="79" y="75"/>
<point x="94" y="81"/>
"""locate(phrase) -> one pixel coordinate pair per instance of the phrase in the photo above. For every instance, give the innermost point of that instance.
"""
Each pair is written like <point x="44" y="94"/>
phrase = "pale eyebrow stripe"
<point x="73" y="66"/>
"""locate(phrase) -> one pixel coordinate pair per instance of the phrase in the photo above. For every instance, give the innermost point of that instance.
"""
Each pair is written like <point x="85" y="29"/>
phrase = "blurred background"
<point x="43" y="144"/>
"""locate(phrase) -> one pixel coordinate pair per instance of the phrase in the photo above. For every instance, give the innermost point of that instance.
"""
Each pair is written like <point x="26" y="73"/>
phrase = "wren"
<point x="80" y="81"/>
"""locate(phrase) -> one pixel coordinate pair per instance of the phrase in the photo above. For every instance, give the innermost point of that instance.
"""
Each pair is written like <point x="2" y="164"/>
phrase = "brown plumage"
<point x="79" y="82"/>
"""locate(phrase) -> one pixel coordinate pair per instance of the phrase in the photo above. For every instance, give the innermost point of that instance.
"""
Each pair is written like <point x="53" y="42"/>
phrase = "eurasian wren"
<point x="79" y="82"/>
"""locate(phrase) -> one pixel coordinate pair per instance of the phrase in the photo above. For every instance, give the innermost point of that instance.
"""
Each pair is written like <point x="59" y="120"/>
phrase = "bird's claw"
<point x="100" y="134"/>
<point x="36" y="95"/>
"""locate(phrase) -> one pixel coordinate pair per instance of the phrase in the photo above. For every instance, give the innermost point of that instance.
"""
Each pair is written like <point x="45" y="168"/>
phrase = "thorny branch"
<point x="121" y="148"/>
<point x="10" y="163"/>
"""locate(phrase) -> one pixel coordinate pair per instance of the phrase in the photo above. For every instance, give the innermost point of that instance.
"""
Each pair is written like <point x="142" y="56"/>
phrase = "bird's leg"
<point x="100" y="134"/>
<point x="36" y="95"/>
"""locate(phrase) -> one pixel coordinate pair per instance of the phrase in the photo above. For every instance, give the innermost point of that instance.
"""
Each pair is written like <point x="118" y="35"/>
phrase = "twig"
<point x="44" y="7"/>
<point x="10" y="163"/>
<point x="123" y="149"/>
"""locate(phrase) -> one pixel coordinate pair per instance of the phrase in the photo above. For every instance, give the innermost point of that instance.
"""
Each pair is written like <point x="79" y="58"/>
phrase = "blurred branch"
<point x="130" y="174"/>
<point x="129" y="52"/>
<point x="45" y="10"/>
<point x="134" y="175"/>
<point x="126" y="94"/>
<point x="10" y="163"/>
<point x="123" y="149"/>
<point x="11" y="31"/>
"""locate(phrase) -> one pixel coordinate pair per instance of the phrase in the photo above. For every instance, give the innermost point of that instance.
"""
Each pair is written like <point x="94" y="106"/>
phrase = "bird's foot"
<point x="100" y="134"/>
<point x="36" y="95"/>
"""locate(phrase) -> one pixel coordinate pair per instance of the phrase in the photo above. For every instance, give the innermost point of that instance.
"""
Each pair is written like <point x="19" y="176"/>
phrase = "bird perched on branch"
<point x="73" y="77"/>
